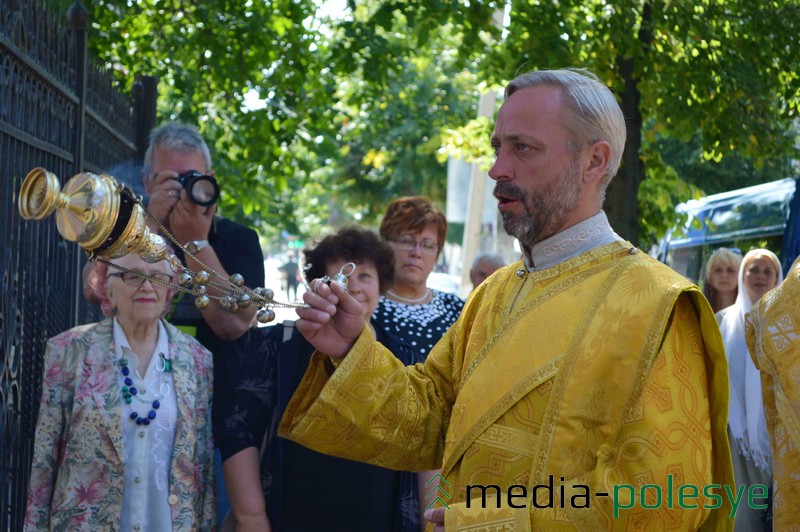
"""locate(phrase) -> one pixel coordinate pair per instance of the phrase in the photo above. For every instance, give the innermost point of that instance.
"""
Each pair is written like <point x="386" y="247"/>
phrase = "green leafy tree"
<point x="353" y="110"/>
<point x="393" y="131"/>
<point x="731" y="172"/>
<point x="333" y="135"/>
<point x="719" y="71"/>
<point x="210" y="58"/>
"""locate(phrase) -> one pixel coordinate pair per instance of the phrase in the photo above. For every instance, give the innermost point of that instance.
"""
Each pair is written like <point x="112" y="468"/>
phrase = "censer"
<point x="107" y="220"/>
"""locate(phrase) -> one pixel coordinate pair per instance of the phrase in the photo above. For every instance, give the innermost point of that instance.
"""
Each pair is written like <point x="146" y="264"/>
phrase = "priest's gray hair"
<point x="595" y="116"/>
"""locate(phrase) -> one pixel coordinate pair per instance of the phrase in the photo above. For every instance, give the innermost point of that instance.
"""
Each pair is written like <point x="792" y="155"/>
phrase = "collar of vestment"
<point x="591" y="233"/>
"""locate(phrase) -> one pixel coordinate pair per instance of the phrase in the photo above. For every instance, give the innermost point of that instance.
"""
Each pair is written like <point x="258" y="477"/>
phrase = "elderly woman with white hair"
<point x="123" y="437"/>
<point x="759" y="273"/>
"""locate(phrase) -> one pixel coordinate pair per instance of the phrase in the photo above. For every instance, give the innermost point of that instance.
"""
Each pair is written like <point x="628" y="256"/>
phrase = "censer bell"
<point x="99" y="214"/>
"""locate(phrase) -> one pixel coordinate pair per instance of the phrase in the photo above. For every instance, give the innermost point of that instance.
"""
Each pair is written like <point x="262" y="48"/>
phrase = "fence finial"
<point x="78" y="16"/>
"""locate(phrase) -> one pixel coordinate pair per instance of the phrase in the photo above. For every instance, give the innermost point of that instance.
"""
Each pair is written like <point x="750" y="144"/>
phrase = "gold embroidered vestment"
<point x="773" y="336"/>
<point x="606" y="369"/>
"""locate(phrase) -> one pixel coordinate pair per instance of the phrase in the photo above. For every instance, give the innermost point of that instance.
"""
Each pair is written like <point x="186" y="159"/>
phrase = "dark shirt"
<point x="239" y="251"/>
<point x="306" y="490"/>
<point x="290" y="269"/>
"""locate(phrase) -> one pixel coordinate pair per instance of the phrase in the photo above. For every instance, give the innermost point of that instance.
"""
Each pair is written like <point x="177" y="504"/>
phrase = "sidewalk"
<point x="273" y="280"/>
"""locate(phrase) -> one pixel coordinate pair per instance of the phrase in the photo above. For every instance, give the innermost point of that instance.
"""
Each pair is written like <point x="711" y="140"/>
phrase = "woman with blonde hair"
<point x="759" y="273"/>
<point x="720" y="286"/>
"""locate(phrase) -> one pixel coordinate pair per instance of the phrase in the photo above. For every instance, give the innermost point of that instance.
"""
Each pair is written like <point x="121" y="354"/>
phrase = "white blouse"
<point x="148" y="448"/>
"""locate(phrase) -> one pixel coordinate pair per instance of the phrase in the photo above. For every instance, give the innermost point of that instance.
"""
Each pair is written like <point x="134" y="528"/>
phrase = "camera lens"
<point x="204" y="191"/>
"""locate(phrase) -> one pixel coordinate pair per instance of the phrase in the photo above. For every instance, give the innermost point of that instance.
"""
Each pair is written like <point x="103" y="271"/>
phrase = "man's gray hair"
<point x="492" y="258"/>
<point x="175" y="136"/>
<point x="595" y="115"/>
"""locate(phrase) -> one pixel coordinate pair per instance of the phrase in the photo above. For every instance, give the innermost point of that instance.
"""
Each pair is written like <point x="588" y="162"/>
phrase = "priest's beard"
<point x="545" y="211"/>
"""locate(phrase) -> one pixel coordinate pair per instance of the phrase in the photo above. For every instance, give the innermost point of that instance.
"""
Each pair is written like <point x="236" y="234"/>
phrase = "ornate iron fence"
<point x="60" y="112"/>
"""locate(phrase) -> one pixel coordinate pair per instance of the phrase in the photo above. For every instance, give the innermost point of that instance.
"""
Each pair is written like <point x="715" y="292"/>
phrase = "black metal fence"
<point x="60" y="112"/>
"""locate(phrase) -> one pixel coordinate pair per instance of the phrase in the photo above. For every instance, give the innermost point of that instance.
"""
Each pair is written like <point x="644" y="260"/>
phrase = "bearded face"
<point x="545" y="210"/>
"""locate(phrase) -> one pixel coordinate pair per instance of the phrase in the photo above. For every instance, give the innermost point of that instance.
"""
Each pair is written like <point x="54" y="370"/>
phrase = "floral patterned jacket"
<point x="77" y="474"/>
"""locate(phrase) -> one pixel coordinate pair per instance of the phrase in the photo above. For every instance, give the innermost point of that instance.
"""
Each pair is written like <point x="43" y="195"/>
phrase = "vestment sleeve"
<point x="374" y="409"/>
<point x="50" y="426"/>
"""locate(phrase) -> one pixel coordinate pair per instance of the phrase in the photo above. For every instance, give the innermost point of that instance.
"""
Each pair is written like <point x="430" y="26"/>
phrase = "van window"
<point x="760" y="216"/>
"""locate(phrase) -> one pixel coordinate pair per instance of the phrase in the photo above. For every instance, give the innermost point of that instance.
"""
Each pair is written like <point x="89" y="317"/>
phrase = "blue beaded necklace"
<point x="129" y="391"/>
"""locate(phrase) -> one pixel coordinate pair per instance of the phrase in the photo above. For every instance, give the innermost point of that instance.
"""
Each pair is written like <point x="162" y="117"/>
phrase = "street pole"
<point x="477" y="193"/>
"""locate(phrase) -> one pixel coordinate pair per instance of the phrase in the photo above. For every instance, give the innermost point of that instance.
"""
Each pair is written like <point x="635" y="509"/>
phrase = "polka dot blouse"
<point x="419" y="326"/>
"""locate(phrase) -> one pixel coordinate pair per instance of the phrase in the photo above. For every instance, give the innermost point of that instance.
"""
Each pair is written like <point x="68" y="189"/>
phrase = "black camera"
<point x="202" y="189"/>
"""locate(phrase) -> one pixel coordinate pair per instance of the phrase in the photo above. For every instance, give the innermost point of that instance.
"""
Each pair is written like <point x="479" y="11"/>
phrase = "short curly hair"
<point x="351" y="244"/>
<point x="413" y="213"/>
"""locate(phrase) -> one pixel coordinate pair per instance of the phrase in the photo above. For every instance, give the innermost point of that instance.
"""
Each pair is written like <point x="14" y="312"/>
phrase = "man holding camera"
<point x="182" y="193"/>
<point x="177" y="150"/>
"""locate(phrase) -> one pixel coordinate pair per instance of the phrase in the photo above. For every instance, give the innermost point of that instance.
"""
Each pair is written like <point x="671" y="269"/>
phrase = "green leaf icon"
<point x="436" y="490"/>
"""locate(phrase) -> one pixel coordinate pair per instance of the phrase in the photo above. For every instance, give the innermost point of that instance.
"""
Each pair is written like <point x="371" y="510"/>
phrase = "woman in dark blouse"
<point x="306" y="490"/>
<point x="418" y="315"/>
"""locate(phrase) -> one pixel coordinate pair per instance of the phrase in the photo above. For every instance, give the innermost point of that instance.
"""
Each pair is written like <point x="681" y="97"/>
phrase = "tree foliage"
<point x="211" y="57"/>
<point x="347" y="114"/>
<point x="722" y="72"/>
<point x="393" y="127"/>
<point x="353" y="111"/>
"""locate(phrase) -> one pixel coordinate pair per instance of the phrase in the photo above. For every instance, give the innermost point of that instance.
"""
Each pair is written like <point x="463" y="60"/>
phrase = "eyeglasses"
<point x="137" y="279"/>
<point x="407" y="243"/>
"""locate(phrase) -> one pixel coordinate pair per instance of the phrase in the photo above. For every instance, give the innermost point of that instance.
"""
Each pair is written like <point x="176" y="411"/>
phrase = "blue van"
<point x="761" y="216"/>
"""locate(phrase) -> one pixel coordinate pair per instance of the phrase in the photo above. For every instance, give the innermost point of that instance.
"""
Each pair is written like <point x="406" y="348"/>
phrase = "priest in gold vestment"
<point x="584" y="387"/>
<point x="773" y="336"/>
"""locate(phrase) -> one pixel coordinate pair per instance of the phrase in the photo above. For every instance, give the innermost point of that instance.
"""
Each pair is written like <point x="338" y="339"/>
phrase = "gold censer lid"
<point x="96" y="212"/>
